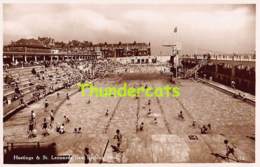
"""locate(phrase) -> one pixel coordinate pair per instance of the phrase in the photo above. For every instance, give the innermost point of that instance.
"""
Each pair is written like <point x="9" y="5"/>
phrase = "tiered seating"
<point x="23" y="78"/>
<point x="44" y="82"/>
<point x="26" y="87"/>
<point x="25" y="81"/>
<point x="108" y="66"/>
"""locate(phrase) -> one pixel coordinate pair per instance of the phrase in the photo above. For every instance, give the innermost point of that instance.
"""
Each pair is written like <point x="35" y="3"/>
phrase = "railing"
<point x="244" y="57"/>
<point x="193" y="70"/>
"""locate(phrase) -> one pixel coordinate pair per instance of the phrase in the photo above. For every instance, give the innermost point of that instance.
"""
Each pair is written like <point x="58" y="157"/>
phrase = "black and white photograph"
<point x="128" y="82"/>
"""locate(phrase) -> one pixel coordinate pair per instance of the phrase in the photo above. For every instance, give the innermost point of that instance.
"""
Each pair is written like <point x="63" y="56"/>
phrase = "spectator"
<point x="33" y="115"/>
<point x="155" y="121"/>
<point x="61" y="129"/>
<point x="79" y="130"/>
<point x="30" y="129"/>
<point x="203" y="130"/>
<point x="180" y="116"/>
<point x="46" y="104"/>
<point x="66" y="119"/>
<point x="44" y="127"/>
<point x="87" y="155"/>
<point x="34" y="71"/>
<point x="193" y="124"/>
<point x="230" y="150"/>
<point x="141" y="127"/>
<point x="51" y="118"/>
<point x="106" y="113"/>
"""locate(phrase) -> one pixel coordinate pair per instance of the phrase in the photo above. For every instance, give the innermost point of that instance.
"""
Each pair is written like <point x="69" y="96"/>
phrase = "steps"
<point x="193" y="70"/>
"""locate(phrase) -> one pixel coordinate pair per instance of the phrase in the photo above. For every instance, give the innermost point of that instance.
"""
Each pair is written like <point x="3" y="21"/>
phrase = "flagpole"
<point x="176" y="37"/>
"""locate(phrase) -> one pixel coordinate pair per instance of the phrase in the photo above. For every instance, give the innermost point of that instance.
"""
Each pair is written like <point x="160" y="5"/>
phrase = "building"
<point x="26" y="51"/>
<point x="225" y="68"/>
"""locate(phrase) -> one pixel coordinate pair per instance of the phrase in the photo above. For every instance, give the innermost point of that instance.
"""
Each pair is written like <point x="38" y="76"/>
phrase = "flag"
<point x="175" y="29"/>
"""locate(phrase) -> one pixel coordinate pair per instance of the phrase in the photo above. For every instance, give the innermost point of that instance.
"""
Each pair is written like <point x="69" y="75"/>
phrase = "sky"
<point x="215" y="28"/>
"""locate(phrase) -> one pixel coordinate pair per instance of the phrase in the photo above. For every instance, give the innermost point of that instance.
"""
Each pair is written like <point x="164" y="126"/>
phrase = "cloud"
<point x="224" y="28"/>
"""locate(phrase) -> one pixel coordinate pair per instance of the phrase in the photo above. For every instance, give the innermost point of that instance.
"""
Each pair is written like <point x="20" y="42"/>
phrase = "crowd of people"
<point x="43" y="80"/>
<point x="49" y="122"/>
<point x="70" y="73"/>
